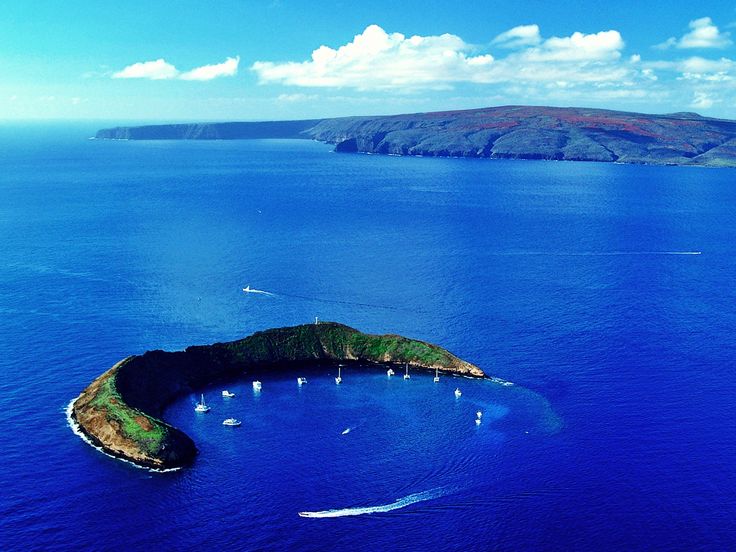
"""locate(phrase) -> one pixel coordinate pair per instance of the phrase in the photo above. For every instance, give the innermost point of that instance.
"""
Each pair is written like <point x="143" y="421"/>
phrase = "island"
<point x="506" y="132"/>
<point x="120" y="412"/>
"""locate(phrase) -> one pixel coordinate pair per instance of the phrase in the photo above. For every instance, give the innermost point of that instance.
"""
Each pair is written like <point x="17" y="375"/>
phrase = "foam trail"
<point x="590" y="253"/>
<point x="400" y="503"/>
<point x="258" y="291"/>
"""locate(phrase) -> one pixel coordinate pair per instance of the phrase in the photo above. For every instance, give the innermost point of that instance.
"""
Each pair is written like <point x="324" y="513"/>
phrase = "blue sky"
<point x="282" y="59"/>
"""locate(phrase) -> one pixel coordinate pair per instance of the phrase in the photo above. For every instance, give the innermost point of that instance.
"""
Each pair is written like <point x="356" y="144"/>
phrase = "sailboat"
<point x="201" y="406"/>
<point x="338" y="379"/>
<point x="406" y="375"/>
<point x="436" y="375"/>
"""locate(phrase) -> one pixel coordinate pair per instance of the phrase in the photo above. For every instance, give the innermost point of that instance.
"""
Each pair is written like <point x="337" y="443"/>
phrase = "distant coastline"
<point x="508" y="132"/>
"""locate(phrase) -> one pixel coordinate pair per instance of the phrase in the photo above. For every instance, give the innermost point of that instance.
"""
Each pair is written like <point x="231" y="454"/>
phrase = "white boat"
<point x="201" y="406"/>
<point x="227" y="394"/>
<point x="301" y="381"/>
<point x="436" y="375"/>
<point x="458" y="393"/>
<point x="406" y="375"/>
<point x="338" y="379"/>
<point x="257" y="385"/>
<point x="232" y="422"/>
<point x="477" y="421"/>
<point x="479" y="414"/>
<point x="390" y="372"/>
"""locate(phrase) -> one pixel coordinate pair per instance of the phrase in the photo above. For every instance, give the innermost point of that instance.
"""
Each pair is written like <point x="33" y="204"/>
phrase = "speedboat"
<point x="232" y="422"/>
<point x="458" y="393"/>
<point x="338" y="379"/>
<point x="390" y="372"/>
<point x="201" y="406"/>
<point x="406" y="374"/>
<point x="227" y="394"/>
<point x="301" y="381"/>
<point x="257" y="385"/>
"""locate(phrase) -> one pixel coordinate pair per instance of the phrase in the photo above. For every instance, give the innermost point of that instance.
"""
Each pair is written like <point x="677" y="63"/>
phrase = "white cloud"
<point x="227" y="68"/>
<point x="378" y="60"/>
<point x="154" y="70"/>
<point x="703" y="34"/>
<point x="298" y="97"/>
<point x="163" y="70"/>
<point x="605" y="45"/>
<point x="703" y="100"/>
<point x="518" y="37"/>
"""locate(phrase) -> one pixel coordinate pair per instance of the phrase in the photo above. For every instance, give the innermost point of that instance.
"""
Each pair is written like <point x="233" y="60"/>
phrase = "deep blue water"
<point x="555" y="276"/>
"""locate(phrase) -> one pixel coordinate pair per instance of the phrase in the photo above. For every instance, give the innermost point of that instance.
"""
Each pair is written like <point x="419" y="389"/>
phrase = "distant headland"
<point x="120" y="412"/>
<point x="508" y="132"/>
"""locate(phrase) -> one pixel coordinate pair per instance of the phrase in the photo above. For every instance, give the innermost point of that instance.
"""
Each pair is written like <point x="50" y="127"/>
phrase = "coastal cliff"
<point x="507" y="132"/>
<point x="120" y="412"/>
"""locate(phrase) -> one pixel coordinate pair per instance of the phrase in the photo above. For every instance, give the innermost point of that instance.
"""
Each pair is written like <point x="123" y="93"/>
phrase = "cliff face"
<point x="120" y="411"/>
<point x="515" y="132"/>
<point x="520" y="132"/>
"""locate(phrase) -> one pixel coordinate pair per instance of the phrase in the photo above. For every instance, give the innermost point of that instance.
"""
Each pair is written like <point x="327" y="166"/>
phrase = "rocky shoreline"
<point x="120" y="412"/>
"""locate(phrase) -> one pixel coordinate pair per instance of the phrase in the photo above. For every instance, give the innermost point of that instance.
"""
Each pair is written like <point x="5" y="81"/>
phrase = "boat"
<point x="436" y="375"/>
<point x="406" y="375"/>
<point x="390" y="372"/>
<point x="458" y="393"/>
<point x="201" y="406"/>
<point x="232" y="422"/>
<point x="338" y="379"/>
<point x="301" y="381"/>
<point x="257" y="385"/>
<point x="227" y="394"/>
<point x="479" y="414"/>
<point x="477" y="421"/>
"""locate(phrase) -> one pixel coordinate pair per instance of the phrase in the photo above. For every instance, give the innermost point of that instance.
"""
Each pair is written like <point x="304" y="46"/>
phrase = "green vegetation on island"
<point x="120" y="411"/>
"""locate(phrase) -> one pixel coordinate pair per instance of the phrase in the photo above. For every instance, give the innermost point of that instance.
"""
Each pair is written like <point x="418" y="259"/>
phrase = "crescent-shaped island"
<point x="120" y="412"/>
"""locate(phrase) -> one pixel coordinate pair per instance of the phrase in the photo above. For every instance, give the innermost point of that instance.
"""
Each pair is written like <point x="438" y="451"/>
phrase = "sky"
<point x="287" y="59"/>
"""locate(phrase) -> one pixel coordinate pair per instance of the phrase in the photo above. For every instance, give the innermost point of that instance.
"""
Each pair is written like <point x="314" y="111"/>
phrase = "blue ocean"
<point x="606" y="293"/>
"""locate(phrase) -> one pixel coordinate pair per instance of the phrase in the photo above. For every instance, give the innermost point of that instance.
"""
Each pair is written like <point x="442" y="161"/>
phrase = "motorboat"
<point x="201" y="405"/>
<point x="390" y="372"/>
<point x="458" y="393"/>
<point x="301" y="381"/>
<point x="257" y="385"/>
<point x="232" y="422"/>
<point x="227" y="394"/>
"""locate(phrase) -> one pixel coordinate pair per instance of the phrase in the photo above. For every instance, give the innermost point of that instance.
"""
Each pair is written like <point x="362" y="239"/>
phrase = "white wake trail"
<point x="400" y="503"/>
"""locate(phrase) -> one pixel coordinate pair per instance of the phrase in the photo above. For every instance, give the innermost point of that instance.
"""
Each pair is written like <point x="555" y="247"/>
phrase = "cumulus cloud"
<point x="519" y="37"/>
<point x="376" y="59"/>
<point x="227" y="68"/>
<point x="154" y="70"/>
<point x="160" y="69"/>
<point x="703" y="34"/>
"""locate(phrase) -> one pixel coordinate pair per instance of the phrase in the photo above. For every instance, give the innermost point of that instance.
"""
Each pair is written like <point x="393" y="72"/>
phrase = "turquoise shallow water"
<point x="557" y="276"/>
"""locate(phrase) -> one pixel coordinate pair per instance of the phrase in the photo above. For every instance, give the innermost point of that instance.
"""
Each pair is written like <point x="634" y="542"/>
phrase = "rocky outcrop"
<point x="120" y="411"/>
<point x="210" y="131"/>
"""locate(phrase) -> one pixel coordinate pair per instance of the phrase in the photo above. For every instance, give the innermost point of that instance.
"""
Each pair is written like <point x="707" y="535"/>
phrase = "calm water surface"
<point x="561" y="277"/>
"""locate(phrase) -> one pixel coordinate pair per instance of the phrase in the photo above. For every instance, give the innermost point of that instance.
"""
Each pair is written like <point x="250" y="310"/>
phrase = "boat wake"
<point x="398" y="504"/>
<point x="590" y="253"/>
<point x="248" y="289"/>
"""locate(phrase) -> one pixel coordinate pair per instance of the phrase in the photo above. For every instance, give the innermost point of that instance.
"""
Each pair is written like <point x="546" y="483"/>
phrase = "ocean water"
<point x="579" y="282"/>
